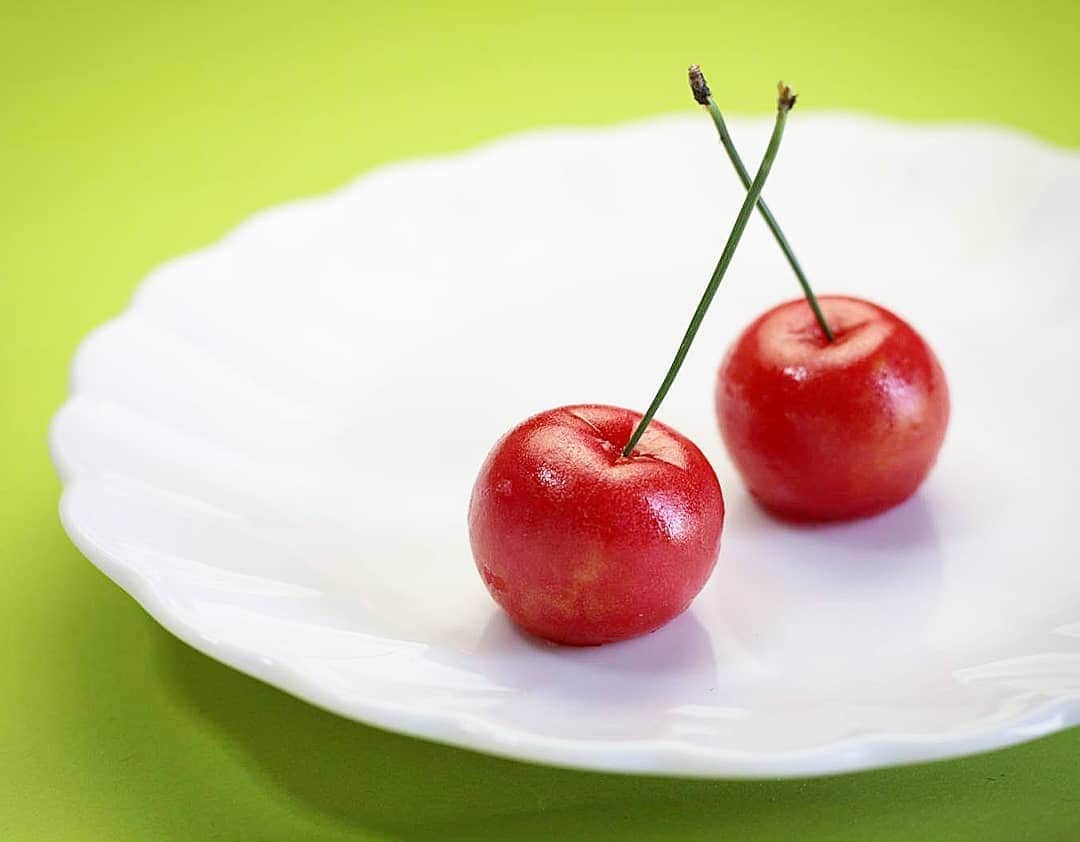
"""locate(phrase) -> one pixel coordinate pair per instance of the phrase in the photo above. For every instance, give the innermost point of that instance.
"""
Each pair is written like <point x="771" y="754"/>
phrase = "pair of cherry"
<point x="591" y="524"/>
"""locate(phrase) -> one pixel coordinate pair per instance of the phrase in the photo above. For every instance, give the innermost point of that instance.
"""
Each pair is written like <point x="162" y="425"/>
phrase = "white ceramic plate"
<point x="272" y="449"/>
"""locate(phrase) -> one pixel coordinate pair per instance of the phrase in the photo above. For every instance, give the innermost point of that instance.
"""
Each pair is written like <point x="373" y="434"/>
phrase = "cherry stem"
<point x="703" y="96"/>
<point x="785" y="102"/>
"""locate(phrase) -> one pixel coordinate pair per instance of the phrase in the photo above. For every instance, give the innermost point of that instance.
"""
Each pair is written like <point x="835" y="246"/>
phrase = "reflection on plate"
<point x="272" y="448"/>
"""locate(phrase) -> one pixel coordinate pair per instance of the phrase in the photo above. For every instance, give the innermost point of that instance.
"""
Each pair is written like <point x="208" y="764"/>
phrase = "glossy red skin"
<point x="582" y="546"/>
<point x="824" y="431"/>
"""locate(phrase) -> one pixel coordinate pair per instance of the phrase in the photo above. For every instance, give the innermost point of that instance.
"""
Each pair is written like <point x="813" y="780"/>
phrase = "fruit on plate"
<point x="825" y="430"/>
<point x="830" y="408"/>
<point x="591" y="524"/>
<point x="583" y="545"/>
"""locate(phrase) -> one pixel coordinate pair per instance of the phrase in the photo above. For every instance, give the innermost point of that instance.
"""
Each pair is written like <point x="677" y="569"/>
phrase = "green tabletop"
<point x="134" y="132"/>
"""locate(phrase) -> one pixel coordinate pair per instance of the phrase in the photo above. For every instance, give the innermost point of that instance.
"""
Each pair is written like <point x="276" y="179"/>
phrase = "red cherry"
<point x="827" y="431"/>
<point x="582" y="545"/>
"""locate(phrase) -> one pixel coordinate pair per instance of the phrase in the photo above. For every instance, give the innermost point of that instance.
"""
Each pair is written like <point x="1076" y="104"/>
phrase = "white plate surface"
<point x="272" y="449"/>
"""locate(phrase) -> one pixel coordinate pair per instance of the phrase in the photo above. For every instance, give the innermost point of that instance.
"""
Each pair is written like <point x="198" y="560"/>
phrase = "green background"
<point x="130" y="133"/>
